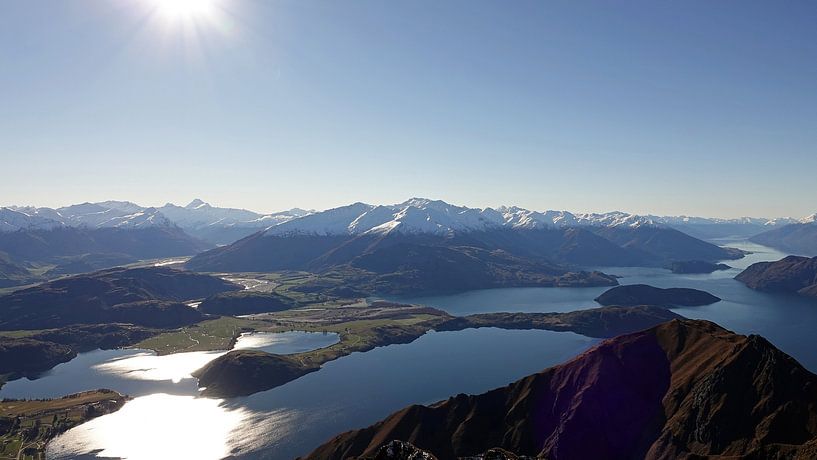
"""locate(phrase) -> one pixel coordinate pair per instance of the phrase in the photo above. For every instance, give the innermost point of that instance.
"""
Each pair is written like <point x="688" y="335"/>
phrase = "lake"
<point x="789" y="322"/>
<point x="167" y="419"/>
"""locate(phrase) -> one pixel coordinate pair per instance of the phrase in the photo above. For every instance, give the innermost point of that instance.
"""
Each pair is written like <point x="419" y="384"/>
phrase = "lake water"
<point x="789" y="322"/>
<point x="167" y="419"/>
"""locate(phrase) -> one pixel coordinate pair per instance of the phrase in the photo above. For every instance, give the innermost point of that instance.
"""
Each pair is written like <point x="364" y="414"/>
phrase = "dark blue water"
<point x="362" y="388"/>
<point x="787" y="321"/>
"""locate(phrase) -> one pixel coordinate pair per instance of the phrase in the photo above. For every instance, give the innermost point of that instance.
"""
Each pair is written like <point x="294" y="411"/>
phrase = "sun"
<point x="185" y="9"/>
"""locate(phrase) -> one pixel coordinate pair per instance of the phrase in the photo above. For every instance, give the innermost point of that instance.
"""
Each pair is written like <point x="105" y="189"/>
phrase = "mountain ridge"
<point x="204" y="220"/>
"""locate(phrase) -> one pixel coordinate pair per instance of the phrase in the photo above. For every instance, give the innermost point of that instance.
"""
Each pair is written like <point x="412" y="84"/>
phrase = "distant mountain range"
<point x="683" y="389"/>
<point x="417" y="215"/>
<point x="431" y="247"/>
<point x="199" y="219"/>
<point x="91" y="236"/>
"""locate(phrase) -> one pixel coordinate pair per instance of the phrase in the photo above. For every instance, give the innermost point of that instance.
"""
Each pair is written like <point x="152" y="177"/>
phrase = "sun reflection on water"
<point x="149" y="366"/>
<point x="165" y="426"/>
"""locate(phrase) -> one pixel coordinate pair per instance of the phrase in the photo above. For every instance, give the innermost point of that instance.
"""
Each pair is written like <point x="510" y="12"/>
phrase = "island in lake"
<point x="696" y="267"/>
<point x="642" y="294"/>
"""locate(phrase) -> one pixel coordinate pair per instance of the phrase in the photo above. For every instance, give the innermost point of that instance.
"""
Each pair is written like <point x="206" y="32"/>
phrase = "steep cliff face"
<point x="680" y="389"/>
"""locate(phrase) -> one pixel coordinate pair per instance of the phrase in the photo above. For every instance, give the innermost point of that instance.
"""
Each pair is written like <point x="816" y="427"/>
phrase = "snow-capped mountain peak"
<point x="336" y="221"/>
<point x="414" y="216"/>
<point x="149" y="217"/>
<point x="197" y="204"/>
<point x="809" y="219"/>
<point x="12" y="220"/>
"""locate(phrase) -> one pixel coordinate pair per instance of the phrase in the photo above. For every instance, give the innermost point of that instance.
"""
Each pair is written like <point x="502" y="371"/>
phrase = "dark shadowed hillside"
<point x="12" y="274"/>
<point x="143" y="296"/>
<point x="667" y="243"/>
<point x="453" y="261"/>
<point x="26" y="357"/>
<point x="793" y="275"/>
<point x="642" y="246"/>
<point x="800" y="238"/>
<point x="138" y="243"/>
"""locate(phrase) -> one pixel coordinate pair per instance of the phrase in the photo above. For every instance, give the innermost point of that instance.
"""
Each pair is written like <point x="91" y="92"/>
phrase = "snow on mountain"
<point x="417" y="215"/>
<point x="197" y="204"/>
<point x="199" y="219"/>
<point x="124" y="206"/>
<point x="149" y="217"/>
<point x="199" y="214"/>
<point x="335" y="221"/>
<point x="781" y="221"/>
<point x="420" y="215"/>
<point x="97" y="215"/>
<point x="12" y="220"/>
<point x="121" y="214"/>
<point x="810" y="219"/>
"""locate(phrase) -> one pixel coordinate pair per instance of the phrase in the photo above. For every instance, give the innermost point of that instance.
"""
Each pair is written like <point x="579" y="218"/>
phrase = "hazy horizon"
<point x="183" y="203"/>
<point x="699" y="108"/>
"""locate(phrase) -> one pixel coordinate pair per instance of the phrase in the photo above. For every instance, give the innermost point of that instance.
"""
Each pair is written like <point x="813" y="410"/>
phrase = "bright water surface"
<point x="167" y="419"/>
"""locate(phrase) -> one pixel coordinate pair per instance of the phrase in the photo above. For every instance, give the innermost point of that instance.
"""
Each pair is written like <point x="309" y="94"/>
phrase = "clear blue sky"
<point x="683" y="107"/>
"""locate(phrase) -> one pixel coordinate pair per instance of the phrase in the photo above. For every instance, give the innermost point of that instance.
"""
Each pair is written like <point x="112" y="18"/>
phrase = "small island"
<point x="690" y="267"/>
<point x="642" y="294"/>
<point x="244" y="372"/>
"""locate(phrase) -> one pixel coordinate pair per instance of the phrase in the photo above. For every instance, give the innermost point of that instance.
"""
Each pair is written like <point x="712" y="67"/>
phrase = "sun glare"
<point x="185" y="9"/>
